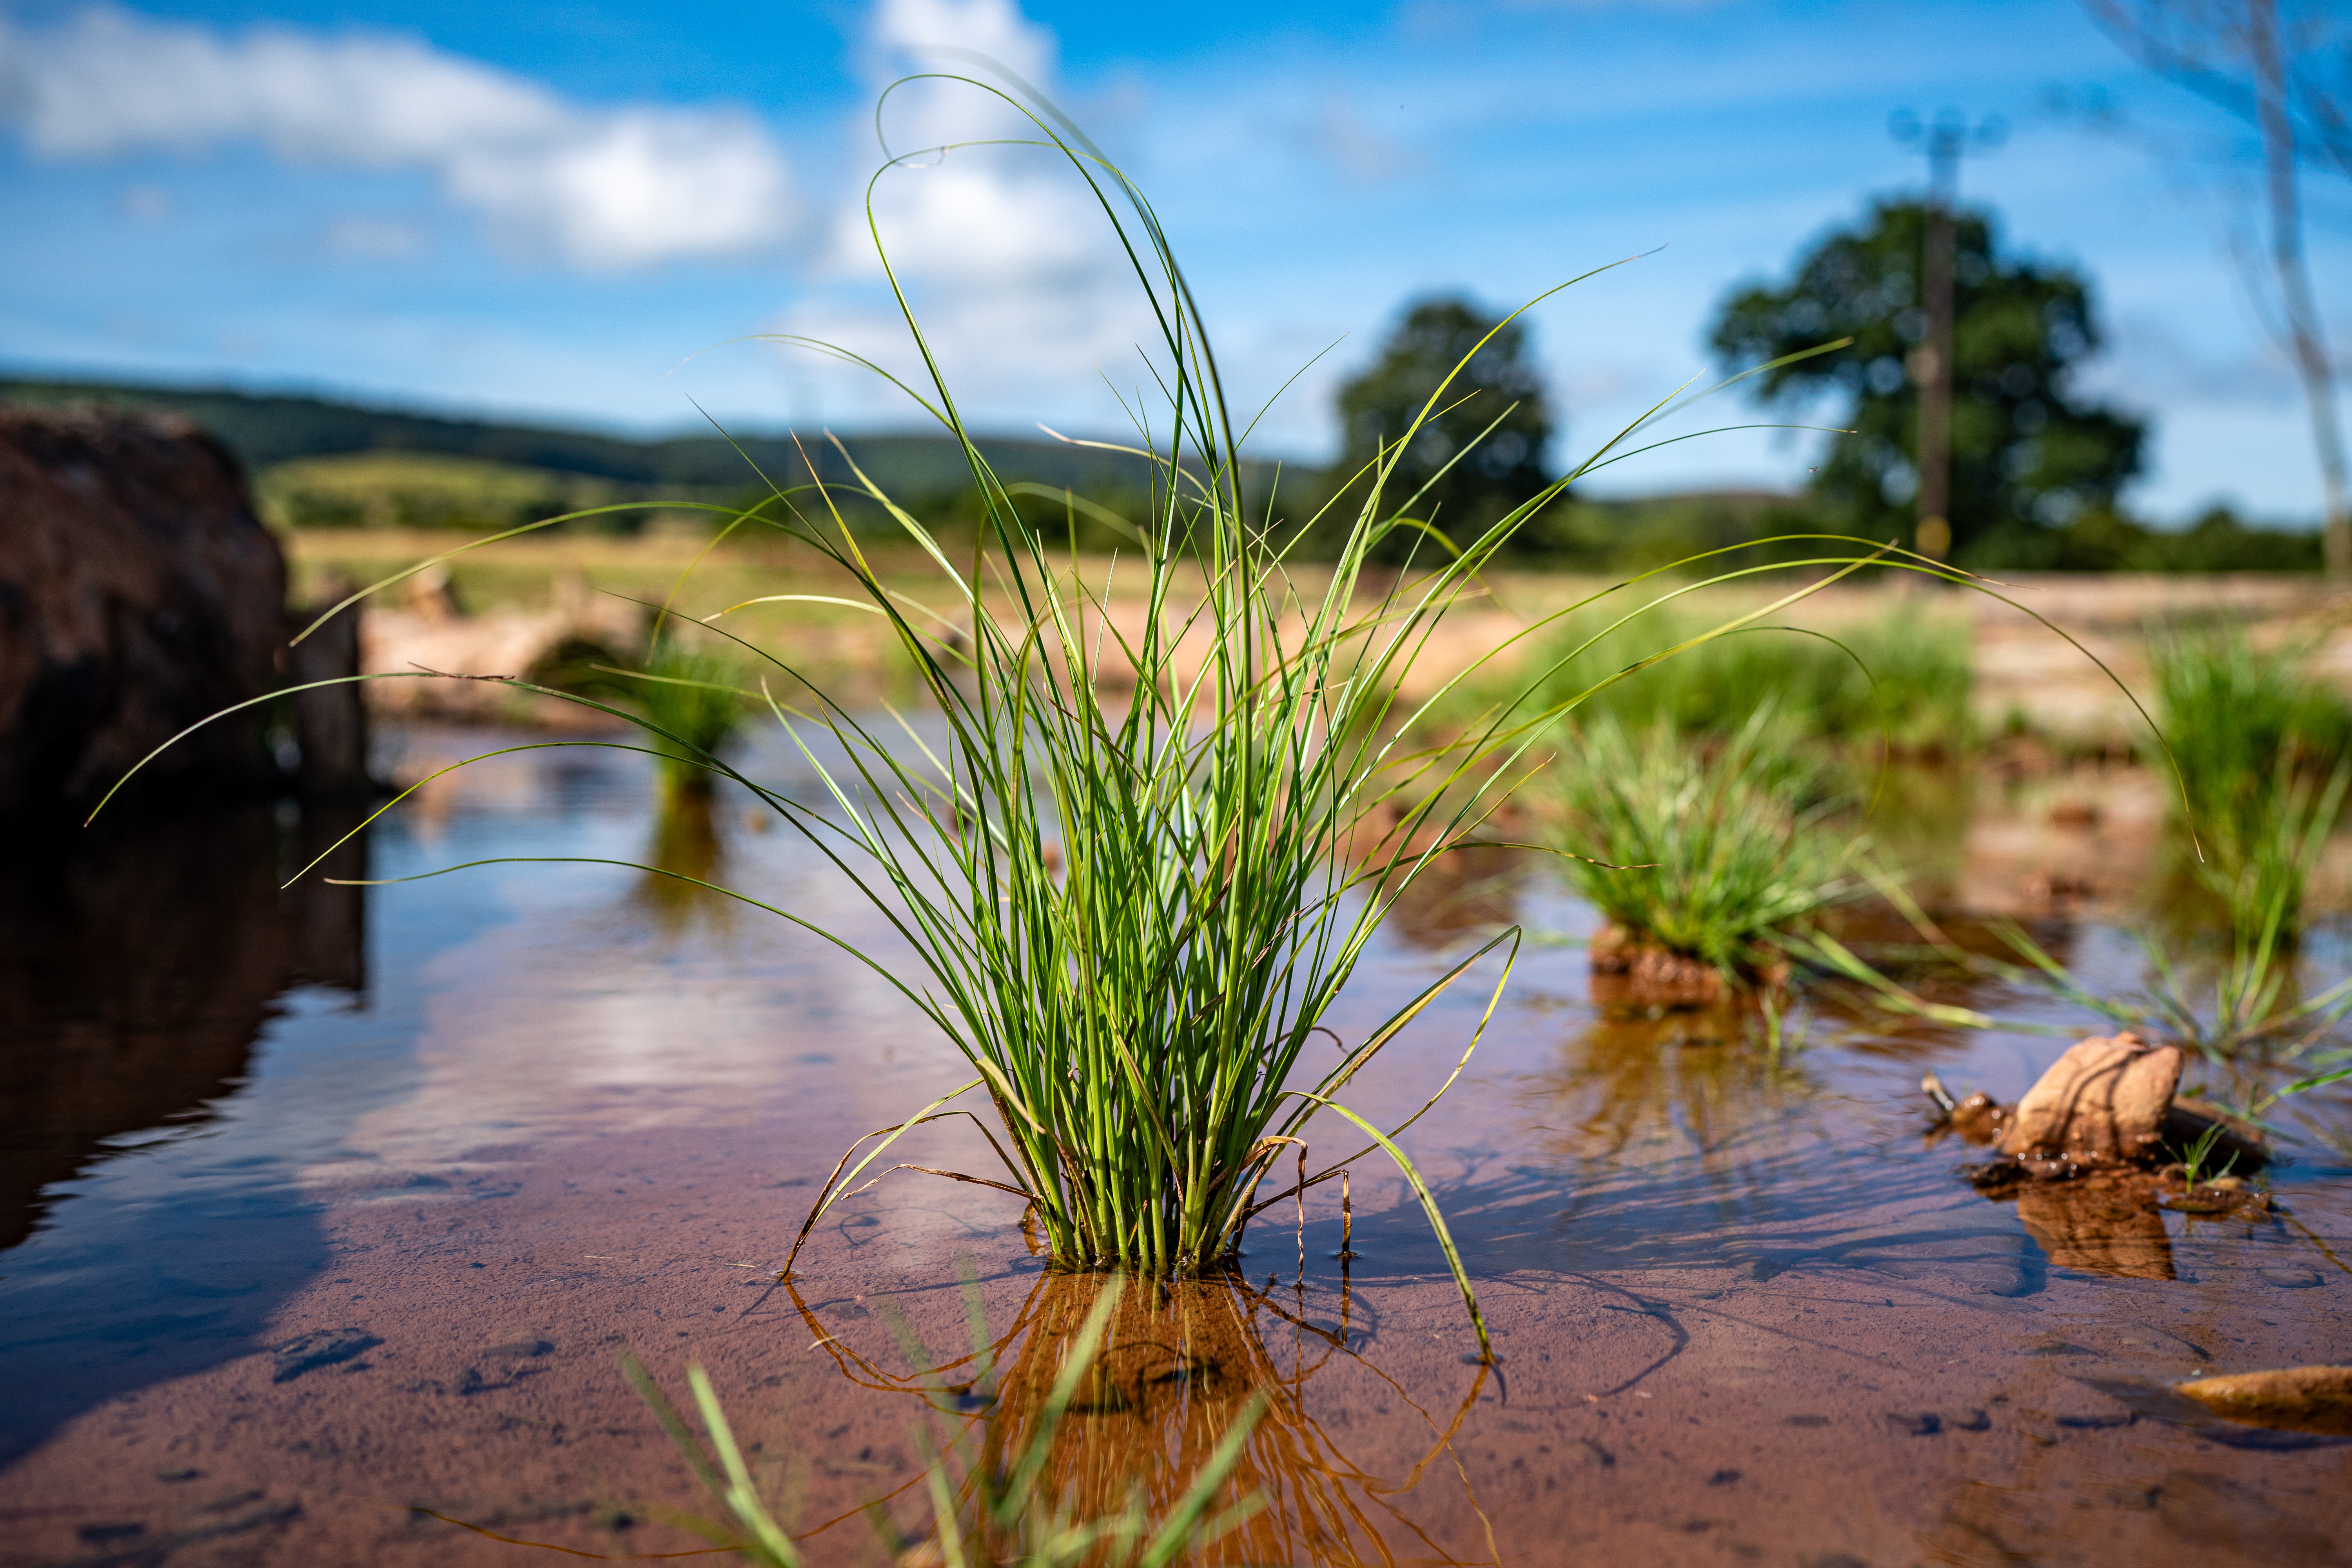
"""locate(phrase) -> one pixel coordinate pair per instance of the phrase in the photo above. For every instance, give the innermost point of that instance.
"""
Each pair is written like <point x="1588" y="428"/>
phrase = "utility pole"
<point x="1944" y="141"/>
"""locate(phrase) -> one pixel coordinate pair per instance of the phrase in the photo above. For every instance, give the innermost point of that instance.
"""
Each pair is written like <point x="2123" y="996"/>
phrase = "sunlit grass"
<point x="1900" y="679"/>
<point x="2254" y="734"/>
<point x="1133" y="860"/>
<point x="692" y="702"/>
<point x="1708" y="848"/>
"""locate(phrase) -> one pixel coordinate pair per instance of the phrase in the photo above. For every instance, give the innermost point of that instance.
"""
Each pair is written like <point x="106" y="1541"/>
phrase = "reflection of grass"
<point x="1176" y="1383"/>
<point x="1005" y="1504"/>
<point x="1710" y="849"/>
<point x="687" y="849"/>
<point x="1704" y="1078"/>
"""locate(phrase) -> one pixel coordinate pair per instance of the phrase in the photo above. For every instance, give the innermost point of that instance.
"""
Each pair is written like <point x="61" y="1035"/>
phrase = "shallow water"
<point x="342" y="1206"/>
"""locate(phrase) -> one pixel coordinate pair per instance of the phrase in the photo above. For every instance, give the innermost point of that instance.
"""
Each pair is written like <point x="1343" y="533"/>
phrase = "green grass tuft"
<point x="1713" y="848"/>
<point x="694" y="703"/>
<point x="1139" y="857"/>
<point x="2252" y="731"/>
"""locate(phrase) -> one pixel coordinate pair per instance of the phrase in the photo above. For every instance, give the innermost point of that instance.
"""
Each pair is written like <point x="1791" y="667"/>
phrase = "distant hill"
<point x="266" y="430"/>
<point x="323" y="462"/>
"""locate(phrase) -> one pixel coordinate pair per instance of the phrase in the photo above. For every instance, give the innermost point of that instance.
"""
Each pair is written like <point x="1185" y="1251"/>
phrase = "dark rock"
<point x="1969" y="1421"/>
<point x="330" y="722"/>
<point x="1992" y="1176"/>
<point x="139" y="595"/>
<point x="2239" y="1145"/>
<point x="1915" y="1424"/>
<point x="324" y="1348"/>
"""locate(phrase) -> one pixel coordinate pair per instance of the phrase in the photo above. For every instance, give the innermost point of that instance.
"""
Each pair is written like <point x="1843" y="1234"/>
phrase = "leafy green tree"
<point x="2030" y="454"/>
<point x="1497" y="473"/>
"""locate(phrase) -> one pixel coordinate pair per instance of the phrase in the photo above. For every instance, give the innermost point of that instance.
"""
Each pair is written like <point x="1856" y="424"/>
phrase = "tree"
<point x="2291" y="79"/>
<point x="2028" y="453"/>
<point x="1500" y="471"/>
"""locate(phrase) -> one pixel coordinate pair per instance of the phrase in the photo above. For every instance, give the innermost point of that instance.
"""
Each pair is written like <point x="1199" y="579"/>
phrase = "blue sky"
<point x="548" y="210"/>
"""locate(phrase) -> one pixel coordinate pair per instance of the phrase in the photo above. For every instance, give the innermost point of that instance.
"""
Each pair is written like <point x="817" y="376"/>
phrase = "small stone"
<point x="519" y="1350"/>
<point x="1969" y="1421"/>
<point x="1722" y="1478"/>
<point x="2293" y="1399"/>
<point x="1804" y="1420"/>
<point x="2052" y="1345"/>
<point x="1920" y="1424"/>
<point x="2098" y="1420"/>
<point x="1991" y="1173"/>
<point x="2288" y="1278"/>
<point x="179" y="1473"/>
<point x="325" y="1348"/>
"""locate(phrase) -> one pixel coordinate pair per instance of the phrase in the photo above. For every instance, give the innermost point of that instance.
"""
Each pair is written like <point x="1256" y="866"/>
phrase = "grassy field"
<point x="1915" y="644"/>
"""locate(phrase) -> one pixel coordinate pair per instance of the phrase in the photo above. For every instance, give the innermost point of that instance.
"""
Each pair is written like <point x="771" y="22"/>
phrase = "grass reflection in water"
<point x="1685" y="1079"/>
<point x="685" y="856"/>
<point x="1182" y="1361"/>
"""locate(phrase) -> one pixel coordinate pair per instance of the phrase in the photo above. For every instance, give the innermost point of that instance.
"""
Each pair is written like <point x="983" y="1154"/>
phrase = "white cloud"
<point x="603" y="187"/>
<point x="1013" y="269"/>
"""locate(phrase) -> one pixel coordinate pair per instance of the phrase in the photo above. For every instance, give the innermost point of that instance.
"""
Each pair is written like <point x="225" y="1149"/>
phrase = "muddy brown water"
<point x="341" y="1209"/>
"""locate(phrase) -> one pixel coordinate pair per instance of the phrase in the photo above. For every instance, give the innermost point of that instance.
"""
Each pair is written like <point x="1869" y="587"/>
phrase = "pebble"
<point x="2094" y="1420"/>
<point x="2316" y="1399"/>
<point x="2288" y="1278"/>
<point x="324" y="1348"/>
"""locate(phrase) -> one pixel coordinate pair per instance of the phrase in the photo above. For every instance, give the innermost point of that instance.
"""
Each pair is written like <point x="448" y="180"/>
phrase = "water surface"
<point x="333" y="1211"/>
